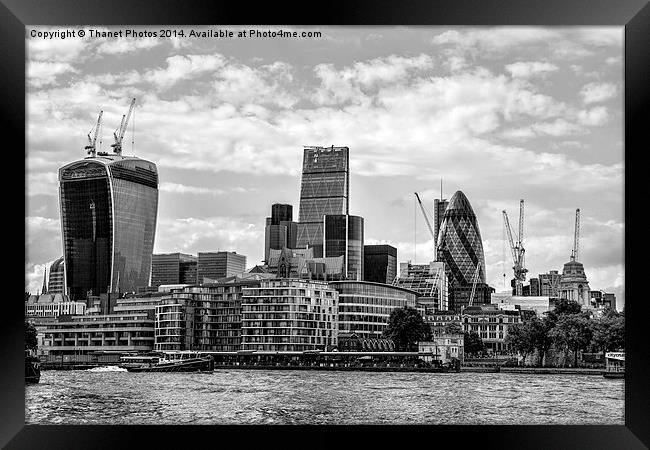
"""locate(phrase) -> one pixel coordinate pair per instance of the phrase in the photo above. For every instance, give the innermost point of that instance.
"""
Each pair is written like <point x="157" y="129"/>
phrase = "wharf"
<point x="553" y="370"/>
<point x="337" y="368"/>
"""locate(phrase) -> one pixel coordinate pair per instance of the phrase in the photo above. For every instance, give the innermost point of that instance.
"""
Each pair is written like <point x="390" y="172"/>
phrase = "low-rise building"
<point x="491" y="324"/>
<point x="438" y="321"/>
<point x="352" y="342"/>
<point x="443" y="347"/>
<point x="365" y="306"/>
<point x="129" y="332"/>
<point x="539" y="304"/>
<point x="52" y="305"/>
<point x="289" y="315"/>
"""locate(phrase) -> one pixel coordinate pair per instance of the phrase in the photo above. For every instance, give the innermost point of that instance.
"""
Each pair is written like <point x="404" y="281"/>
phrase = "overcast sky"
<point x="499" y="113"/>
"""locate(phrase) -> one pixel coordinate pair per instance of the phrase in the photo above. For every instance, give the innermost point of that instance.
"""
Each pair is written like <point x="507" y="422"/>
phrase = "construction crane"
<point x="576" y="238"/>
<point x="476" y="273"/>
<point x="517" y="249"/>
<point x="424" y="213"/>
<point x="119" y="133"/>
<point x="92" y="141"/>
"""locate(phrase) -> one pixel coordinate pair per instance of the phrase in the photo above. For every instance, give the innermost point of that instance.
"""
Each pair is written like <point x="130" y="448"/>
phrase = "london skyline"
<point x="498" y="113"/>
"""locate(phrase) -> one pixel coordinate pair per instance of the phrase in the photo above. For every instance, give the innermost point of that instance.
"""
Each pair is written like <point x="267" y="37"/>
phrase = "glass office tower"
<point x="459" y="242"/>
<point x="324" y="191"/>
<point x="108" y="207"/>
<point x="344" y="237"/>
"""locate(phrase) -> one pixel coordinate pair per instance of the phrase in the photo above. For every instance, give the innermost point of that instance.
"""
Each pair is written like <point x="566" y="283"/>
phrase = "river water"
<point x="105" y="396"/>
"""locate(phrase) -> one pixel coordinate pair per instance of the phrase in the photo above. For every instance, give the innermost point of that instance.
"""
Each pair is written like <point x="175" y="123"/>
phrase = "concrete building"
<point x="428" y="280"/>
<point x="491" y="324"/>
<point x="539" y="304"/>
<point x="280" y="231"/>
<point x="365" y="307"/>
<point x="52" y="305"/>
<point x="56" y="281"/>
<point x="352" y="342"/>
<point x="207" y="317"/>
<point x="379" y="263"/>
<point x="173" y="268"/>
<point x="602" y="300"/>
<point x="324" y="191"/>
<point x="534" y="289"/>
<point x="439" y="320"/>
<point x="109" y="205"/>
<point x="289" y="315"/>
<point x="215" y="265"/>
<point x="574" y="284"/>
<point x="549" y="284"/>
<point x="343" y="236"/>
<point x="79" y="335"/>
<point x="300" y="263"/>
<point x="444" y="347"/>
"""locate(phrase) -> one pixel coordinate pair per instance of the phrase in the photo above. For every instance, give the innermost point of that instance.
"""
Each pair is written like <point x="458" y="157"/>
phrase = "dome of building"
<point x="57" y="265"/>
<point x="459" y="242"/>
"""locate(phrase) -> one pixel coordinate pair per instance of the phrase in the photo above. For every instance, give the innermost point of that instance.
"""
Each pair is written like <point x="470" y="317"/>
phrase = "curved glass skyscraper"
<point x="459" y="242"/>
<point x="108" y="207"/>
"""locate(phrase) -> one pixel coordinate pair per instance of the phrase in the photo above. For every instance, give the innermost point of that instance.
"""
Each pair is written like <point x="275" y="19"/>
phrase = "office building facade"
<point x="173" y="268"/>
<point x="56" y="281"/>
<point x="549" y="284"/>
<point x="343" y="236"/>
<point x="379" y="263"/>
<point x="289" y="315"/>
<point x="439" y="207"/>
<point x="491" y="324"/>
<point x="280" y="231"/>
<point x="324" y="191"/>
<point x="108" y="209"/>
<point x="215" y="265"/>
<point x="365" y="307"/>
<point x="428" y="280"/>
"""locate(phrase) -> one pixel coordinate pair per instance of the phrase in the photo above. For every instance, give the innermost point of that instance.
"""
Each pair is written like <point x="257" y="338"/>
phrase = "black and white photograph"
<point x="324" y="225"/>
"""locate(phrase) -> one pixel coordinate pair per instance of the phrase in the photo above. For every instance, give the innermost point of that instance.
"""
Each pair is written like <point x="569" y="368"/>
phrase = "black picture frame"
<point x="15" y="15"/>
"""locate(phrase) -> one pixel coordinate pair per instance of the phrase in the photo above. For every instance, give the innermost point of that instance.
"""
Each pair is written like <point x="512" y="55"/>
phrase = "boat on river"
<point x="614" y="365"/>
<point x="168" y="362"/>
<point x="32" y="368"/>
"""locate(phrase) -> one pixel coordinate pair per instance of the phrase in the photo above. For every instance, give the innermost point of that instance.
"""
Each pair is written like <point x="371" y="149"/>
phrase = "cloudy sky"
<point x="499" y="113"/>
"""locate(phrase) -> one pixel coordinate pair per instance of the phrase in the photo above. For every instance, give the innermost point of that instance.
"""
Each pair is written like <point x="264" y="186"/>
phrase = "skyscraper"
<point x="108" y="207"/>
<point x="439" y="207"/>
<point x="379" y="263"/>
<point x="56" y="281"/>
<point x="324" y="191"/>
<point x="215" y="265"/>
<point x="461" y="249"/>
<point x="173" y="268"/>
<point x="343" y="236"/>
<point x="280" y="231"/>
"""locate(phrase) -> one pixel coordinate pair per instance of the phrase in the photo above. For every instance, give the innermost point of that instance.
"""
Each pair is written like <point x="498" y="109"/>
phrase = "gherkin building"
<point x="459" y="242"/>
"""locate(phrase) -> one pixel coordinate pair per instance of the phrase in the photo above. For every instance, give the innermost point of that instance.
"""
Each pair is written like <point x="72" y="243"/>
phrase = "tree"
<point x="572" y="332"/>
<point x="406" y="327"/>
<point x="30" y="336"/>
<point x="473" y="343"/>
<point x="608" y="332"/>
<point x="564" y="306"/>
<point x="520" y="338"/>
<point x="453" y="328"/>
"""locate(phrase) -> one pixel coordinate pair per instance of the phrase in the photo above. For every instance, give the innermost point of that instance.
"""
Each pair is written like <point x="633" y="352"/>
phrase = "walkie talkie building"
<point x="108" y="207"/>
<point x="324" y="191"/>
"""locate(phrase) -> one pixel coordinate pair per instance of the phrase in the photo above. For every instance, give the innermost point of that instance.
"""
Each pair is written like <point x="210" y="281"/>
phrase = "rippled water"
<point x="319" y="397"/>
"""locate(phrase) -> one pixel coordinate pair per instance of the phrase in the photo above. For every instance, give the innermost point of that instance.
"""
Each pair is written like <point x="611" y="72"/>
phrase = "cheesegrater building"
<point x="108" y="206"/>
<point x="324" y="191"/>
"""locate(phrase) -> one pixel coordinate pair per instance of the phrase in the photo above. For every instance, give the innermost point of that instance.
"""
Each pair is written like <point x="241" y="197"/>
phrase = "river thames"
<point x="112" y="396"/>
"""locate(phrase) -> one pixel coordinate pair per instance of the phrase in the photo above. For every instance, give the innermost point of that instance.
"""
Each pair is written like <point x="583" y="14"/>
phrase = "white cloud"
<point x="181" y="67"/>
<point x="126" y="45"/>
<point x="178" y="188"/>
<point x="42" y="73"/>
<point x="598" y="92"/>
<point x="593" y="117"/>
<point x="522" y="69"/>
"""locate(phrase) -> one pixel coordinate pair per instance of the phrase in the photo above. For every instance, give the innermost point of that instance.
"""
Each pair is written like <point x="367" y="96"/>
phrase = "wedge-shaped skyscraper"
<point x="108" y="207"/>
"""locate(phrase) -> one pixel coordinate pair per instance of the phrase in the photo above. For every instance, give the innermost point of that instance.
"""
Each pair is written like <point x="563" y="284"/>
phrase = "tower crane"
<point x="517" y="249"/>
<point x="424" y="213"/>
<point x="119" y="133"/>
<point x="576" y="238"/>
<point x="92" y="141"/>
<point x="476" y="273"/>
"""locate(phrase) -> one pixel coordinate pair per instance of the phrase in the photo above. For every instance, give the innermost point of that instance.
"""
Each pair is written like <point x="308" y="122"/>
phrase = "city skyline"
<point x="498" y="113"/>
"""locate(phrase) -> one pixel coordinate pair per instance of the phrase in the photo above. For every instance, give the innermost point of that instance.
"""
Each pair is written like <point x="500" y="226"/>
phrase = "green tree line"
<point x="568" y="329"/>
